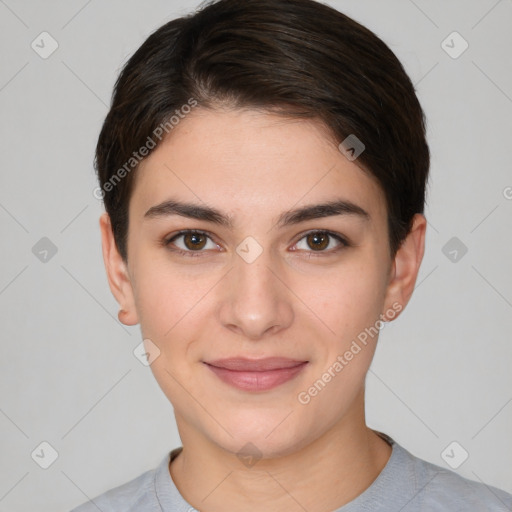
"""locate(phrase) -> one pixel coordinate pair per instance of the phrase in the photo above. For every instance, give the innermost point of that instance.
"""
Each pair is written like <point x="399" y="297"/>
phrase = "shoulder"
<point x="438" y="488"/>
<point x="136" y="495"/>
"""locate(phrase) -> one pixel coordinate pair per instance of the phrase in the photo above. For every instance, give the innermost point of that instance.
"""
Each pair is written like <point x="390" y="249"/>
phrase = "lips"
<point x="241" y="364"/>
<point x="256" y="374"/>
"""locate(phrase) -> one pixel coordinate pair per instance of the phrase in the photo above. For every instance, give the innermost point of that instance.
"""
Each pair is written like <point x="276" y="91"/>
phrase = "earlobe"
<point x="117" y="273"/>
<point x="406" y="266"/>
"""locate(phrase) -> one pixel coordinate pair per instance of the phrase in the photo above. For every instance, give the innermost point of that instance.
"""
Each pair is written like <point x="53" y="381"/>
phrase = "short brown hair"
<point x="296" y="57"/>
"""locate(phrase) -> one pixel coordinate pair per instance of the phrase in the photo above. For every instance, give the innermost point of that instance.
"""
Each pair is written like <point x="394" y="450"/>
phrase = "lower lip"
<point x="257" y="381"/>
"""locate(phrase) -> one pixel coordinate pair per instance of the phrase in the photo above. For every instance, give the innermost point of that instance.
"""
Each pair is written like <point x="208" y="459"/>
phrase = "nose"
<point x="255" y="300"/>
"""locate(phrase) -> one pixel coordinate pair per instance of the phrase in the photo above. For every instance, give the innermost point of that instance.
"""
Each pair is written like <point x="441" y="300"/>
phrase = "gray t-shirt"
<point x="406" y="484"/>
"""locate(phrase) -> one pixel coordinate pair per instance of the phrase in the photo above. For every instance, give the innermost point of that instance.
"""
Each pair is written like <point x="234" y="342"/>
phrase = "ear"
<point x="405" y="268"/>
<point x="117" y="274"/>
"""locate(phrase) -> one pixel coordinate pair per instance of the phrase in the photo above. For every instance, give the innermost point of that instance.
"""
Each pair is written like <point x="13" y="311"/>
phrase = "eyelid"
<point x="333" y="234"/>
<point x="168" y="239"/>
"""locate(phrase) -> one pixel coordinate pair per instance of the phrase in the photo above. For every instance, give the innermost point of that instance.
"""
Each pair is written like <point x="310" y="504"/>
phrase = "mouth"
<point x="256" y="374"/>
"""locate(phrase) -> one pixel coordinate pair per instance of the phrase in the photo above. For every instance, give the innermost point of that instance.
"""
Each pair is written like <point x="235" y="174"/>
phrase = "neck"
<point x="319" y="477"/>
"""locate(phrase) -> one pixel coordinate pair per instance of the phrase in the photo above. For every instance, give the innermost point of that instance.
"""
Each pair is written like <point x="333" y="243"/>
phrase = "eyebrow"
<point x="288" y="218"/>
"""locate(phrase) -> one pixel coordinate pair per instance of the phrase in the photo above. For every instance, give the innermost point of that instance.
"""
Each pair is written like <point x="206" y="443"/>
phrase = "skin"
<point x="292" y="301"/>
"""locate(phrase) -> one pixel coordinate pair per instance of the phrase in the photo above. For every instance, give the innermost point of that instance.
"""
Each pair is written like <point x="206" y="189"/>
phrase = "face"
<point x="230" y="257"/>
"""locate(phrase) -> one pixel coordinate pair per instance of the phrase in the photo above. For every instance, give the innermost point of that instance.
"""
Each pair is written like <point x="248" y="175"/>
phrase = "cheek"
<point x="350" y="305"/>
<point x="165" y="297"/>
<point x="349" y="300"/>
<point x="173" y="309"/>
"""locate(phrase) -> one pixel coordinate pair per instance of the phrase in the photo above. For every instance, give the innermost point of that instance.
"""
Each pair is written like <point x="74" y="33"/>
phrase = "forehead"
<point x="251" y="163"/>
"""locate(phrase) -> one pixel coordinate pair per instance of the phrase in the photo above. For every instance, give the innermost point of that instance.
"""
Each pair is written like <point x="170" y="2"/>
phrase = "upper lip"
<point x="242" y="364"/>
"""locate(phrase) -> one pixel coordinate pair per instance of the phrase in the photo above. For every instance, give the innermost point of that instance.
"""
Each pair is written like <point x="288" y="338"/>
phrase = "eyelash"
<point x="167" y="242"/>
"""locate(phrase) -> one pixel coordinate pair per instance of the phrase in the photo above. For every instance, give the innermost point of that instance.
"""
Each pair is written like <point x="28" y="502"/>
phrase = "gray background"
<point x="68" y="373"/>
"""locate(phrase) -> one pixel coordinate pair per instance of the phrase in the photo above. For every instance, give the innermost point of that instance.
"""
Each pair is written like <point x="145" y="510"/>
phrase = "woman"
<point x="263" y="168"/>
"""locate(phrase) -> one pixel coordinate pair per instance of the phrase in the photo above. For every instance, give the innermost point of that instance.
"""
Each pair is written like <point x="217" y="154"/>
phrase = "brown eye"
<point x="194" y="241"/>
<point x="321" y="242"/>
<point x="190" y="243"/>
<point x="318" y="241"/>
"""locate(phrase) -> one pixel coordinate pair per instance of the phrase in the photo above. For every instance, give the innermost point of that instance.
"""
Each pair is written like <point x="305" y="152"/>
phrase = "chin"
<point x="261" y="435"/>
